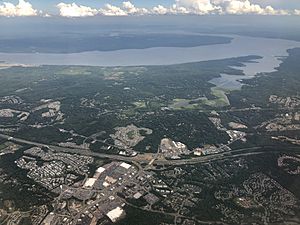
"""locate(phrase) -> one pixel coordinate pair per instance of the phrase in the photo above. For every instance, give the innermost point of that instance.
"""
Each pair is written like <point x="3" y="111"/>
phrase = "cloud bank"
<point x="74" y="10"/>
<point x="195" y="7"/>
<point x="23" y="8"/>
<point x="127" y="8"/>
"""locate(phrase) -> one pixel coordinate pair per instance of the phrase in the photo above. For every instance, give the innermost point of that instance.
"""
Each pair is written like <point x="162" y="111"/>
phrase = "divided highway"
<point x="136" y="160"/>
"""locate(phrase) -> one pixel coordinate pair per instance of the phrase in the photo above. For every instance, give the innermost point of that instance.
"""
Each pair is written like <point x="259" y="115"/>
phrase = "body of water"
<point x="269" y="49"/>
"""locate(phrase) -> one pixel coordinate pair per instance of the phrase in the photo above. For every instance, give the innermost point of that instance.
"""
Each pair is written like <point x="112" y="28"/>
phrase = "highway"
<point x="137" y="161"/>
<point x="78" y="151"/>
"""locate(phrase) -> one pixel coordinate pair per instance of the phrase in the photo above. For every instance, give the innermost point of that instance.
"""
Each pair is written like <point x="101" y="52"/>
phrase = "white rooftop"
<point x="125" y="165"/>
<point x="100" y="170"/>
<point x="137" y="195"/>
<point x="90" y="182"/>
<point x="114" y="214"/>
<point x="105" y="184"/>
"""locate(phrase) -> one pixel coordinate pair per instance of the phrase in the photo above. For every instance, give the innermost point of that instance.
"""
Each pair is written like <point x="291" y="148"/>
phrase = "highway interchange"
<point x="155" y="160"/>
<point x="142" y="164"/>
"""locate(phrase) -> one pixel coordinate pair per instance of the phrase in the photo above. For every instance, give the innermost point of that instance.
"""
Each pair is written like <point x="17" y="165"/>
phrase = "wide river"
<point x="269" y="49"/>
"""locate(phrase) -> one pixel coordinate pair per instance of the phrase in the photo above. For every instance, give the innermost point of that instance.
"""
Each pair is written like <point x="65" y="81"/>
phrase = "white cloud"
<point x="111" y="10"/>
<point x="127" y="8"/>
<point x="245" y="7"/>
<point x="236" y="7"/>
<point x="47" y="15"/>
<point x="74" y="10"/>
<point x="131" y="9"/>
<point x="23" y="8"/>
<point x="200" y="7"/>
<point x="297" y="12"/>
<point x="175" y="9"/>
<point x="159" y="10"/>
<point x="196" y="7"/>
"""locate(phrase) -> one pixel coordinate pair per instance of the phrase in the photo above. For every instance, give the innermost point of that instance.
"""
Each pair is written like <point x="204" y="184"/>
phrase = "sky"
<point x="87" y="8"/>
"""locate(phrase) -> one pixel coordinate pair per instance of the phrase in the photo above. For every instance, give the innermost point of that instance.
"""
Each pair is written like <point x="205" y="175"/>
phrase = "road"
<point x="78" y="151"/>
<point x="224" y="155"/>
<point x="154" y="161"/>
<point x="136" y="160"/>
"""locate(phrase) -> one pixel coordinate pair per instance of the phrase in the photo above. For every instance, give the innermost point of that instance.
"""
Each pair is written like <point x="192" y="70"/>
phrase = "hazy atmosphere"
<point x="163" y="112"/>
